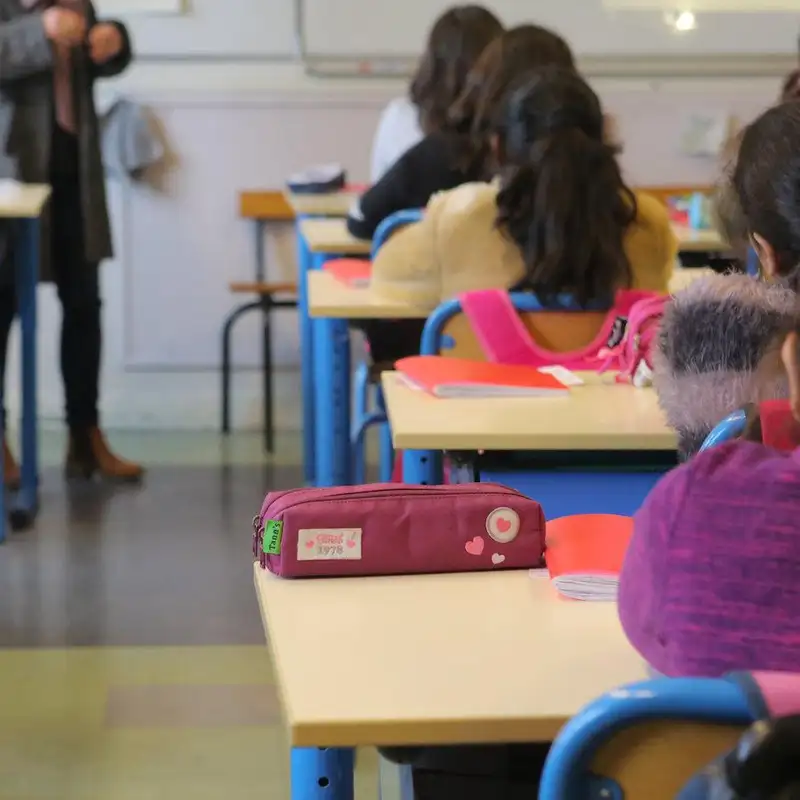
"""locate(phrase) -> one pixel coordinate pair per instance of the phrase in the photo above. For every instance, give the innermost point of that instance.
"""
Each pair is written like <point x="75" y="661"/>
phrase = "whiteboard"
<point x="207" y="28"/>
<point x="346" y="28"/>
<point x="120" y="8"/>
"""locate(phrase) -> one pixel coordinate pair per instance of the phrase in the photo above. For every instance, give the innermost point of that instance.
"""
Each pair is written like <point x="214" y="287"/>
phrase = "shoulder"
<point x="465" y="201"/>
<point x="717" y="350"/>
<point x="400" y="122"/>
<point x="736" y="302"/>
<point x="650" y="211"/>
<point x="399" y="109"/>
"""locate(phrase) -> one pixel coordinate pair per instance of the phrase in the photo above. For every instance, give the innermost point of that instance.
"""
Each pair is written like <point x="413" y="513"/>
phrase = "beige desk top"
<point x="336" y="204"/>
<point x="328" y="297"/>
<point x="332" y="236"/>
<point x="699" y="241"/>
<point x="600" y="415"/>
<point x="24" y="201"/>
<point x="479" y="657"/>
<point x="682" y="278"/>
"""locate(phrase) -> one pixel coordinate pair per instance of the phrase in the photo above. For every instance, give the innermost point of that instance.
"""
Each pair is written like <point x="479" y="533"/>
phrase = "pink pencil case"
<point x="394" y="529"/>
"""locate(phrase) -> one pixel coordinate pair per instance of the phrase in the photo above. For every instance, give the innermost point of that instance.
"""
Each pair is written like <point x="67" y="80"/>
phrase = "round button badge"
<point x="503" y="525"/>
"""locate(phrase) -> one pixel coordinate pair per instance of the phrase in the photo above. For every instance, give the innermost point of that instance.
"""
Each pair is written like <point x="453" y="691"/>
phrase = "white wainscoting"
<point x="178" y="247"/>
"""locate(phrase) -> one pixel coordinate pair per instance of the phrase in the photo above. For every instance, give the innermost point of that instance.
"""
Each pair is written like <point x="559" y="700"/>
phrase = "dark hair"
<point x="562" y="199"/>
<point x="790" y="89"/>
<point x="455" y="42"/>
<point x="766" y="180"/>
<point x="728" y="216"/>
<point x="517" y="52"/>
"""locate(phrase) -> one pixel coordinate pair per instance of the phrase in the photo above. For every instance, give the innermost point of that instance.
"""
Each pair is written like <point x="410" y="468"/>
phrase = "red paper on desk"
<point x="456" y="377"/>
<point x="354" y="272"/>
<point x="584" y="554"/>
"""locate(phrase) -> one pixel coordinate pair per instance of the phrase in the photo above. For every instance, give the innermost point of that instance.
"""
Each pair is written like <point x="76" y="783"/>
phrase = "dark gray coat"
<point x="26" y="117"/>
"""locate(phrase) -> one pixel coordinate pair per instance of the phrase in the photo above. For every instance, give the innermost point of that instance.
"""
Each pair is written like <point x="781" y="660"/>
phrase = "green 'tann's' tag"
<point x="273" y="534"/>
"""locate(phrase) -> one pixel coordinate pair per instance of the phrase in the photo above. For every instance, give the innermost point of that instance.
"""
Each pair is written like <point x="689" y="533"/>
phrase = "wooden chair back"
<point x="654" y="760"/>
<point x="557" y="331"/>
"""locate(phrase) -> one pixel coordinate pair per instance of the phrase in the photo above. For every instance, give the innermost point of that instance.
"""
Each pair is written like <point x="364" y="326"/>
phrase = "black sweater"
<point x="427" y="168"/>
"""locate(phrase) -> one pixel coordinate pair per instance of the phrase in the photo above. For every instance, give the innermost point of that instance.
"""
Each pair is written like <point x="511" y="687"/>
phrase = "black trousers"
<point x="473" y="772"/>
<point x="77" y="284"/>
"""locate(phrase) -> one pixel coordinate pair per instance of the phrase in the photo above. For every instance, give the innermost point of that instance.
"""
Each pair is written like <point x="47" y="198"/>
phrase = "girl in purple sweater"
<point x="711" y="582"/>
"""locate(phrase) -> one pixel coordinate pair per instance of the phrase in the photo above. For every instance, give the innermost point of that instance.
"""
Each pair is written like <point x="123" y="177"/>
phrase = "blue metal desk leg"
<point x="304" y="264"/>
<point x="2" y="497"/>
<point x="332" y="401"/>
<point x="322" y="774"/>
<point x="423" y="467"/>
<point x="25" y="504"/>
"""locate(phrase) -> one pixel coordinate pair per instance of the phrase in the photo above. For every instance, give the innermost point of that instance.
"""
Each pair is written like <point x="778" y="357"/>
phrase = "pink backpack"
<point x="633" y="355"/>
<point x="623" y="342"/>
<point x="389" y="529"/>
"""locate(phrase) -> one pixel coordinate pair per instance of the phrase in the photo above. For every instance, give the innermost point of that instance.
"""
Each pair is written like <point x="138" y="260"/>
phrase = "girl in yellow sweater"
<point x="558" y="219"/>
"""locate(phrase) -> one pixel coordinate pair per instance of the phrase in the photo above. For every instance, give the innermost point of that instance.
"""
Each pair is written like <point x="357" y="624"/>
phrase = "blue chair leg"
<point x="361" y="389"/>
<point x="360" y="393"/>
<point x="386" y="462"/>
<point x="357" y="445"/>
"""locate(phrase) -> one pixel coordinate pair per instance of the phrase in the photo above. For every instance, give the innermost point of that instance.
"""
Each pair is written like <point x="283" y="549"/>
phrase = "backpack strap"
<point x="500" y="332"/>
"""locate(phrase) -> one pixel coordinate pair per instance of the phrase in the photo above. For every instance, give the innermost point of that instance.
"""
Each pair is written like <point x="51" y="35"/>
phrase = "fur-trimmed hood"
<point x="719" y="349"/>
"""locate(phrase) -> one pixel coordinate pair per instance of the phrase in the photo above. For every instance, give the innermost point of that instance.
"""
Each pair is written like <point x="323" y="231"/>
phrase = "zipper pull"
<point x="258" y="535"/>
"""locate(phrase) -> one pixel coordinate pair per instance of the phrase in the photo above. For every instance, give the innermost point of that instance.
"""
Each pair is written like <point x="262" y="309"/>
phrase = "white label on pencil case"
<point x="329" y="544"/>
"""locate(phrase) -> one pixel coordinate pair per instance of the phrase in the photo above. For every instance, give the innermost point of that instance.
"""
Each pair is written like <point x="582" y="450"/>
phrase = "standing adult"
<point x="51" y="53"/>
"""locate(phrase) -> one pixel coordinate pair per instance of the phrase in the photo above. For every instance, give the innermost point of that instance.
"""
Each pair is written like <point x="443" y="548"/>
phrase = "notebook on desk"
<point x="584" y="554"/>
<point x="454" y="377"/>
<point x="353" y="272"/>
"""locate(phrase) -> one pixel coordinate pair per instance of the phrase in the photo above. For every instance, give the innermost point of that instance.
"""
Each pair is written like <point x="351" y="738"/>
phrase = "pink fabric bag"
<point x="390" y="529"/>
<point x="633" y="356"/>
<point x="505" y="339"/>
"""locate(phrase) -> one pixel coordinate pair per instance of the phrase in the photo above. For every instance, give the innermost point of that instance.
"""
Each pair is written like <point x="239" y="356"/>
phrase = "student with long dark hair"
<point x="460" y="151"/>
<point x="558" y="219"/>
<point x="456" y="41"/>
<point x="717" y="349"/>
<point x="710" y="580"/>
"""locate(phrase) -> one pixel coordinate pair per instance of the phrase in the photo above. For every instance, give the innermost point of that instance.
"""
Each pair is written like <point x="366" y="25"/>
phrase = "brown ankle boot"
<point x="10" y="468"/>
<point x="89" y="454"/>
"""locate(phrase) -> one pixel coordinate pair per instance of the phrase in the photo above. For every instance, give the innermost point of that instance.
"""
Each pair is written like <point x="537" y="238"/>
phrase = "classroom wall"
<point x="240" y="126"/>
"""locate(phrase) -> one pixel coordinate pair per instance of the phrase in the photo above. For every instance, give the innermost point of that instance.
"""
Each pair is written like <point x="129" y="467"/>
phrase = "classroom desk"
<point x="335" y="204"/>
<point x="24" y="205"/>
<point x="598" y="450"/>
<point x="331" y="304"/>
<point x="682" y="278"/>
<point x="600" y="415"/>
<point x="432" y="659"/>
<point x="317" y="241"/>
<point x="692" y="241"/>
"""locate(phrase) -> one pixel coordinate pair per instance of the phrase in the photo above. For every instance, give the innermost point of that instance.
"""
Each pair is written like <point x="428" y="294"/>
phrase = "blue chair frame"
<point x="730" y="428"/>
<point x="705" y="700"/>
<point x="367" y="414"/>
<point x="432" y="335"/>
<point x="599" y="491"/>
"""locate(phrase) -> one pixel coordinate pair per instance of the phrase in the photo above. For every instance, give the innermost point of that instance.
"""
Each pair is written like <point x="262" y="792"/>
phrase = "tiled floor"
<point x="132" y="656"/>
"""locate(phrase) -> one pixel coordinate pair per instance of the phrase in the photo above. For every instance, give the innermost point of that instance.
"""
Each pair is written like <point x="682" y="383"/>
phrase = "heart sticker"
<point x="502" y="525"/>
<point x="498" y="558"/>
<point x="310" y="543"/>
<point x="475" y="546"/>
<point x="351" y="543"/>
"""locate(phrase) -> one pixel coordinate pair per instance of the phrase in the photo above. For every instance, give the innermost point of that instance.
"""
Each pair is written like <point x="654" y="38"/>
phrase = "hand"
<point x="64" y="27"/>
<point x="105" y="42"/>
